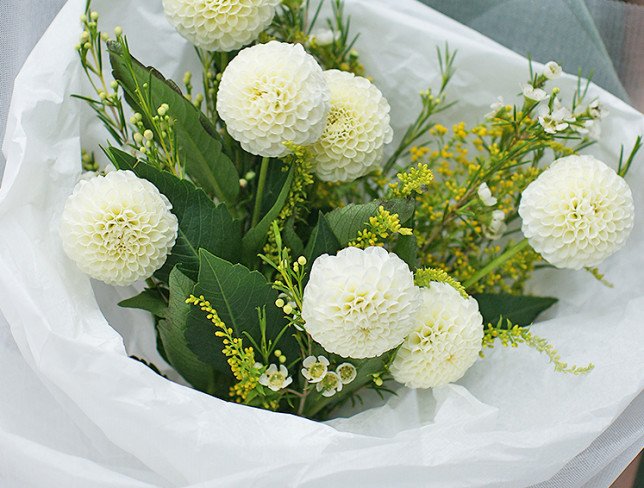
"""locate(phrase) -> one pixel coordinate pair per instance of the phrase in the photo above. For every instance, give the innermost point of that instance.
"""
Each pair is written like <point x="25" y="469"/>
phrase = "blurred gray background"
<point x="606" y="37"/>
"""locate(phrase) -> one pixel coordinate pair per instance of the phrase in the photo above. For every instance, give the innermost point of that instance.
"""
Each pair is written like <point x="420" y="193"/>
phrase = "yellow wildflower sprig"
<point x="412" y="182"/>
<point x="289" y="281"/>
<point x="241" y="360"/>
<point x="302" y="163"/>
<point x="453" y="225"/>
<point x="379" y="228"/>
<point x="599" y="276"/>
<point x="108" y="104"/>
<point x="424" y="276"/>
<point x="512" y="335"/>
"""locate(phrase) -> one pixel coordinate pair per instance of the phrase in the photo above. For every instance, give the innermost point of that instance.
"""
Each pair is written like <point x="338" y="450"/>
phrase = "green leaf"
<point x="149" y="300"/>
<point x="199" y="145"/>
<point x="236" y="293"/>
<point x="202" y="223"/>
<point x="292" y="240"/>
<point x="347" y="221"/>
<point x="520" y="310"/>
<point x="407" y="249"/>
<point x="172" y="333"/>
<point x="322" y="241"/>
<point x="256" y="237"/>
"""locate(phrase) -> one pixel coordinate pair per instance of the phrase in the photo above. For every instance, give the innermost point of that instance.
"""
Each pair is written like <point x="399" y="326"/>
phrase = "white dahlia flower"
<point x="118" y="228"/>
<point x="356" y="130"/>
<point x="445" y="343"/>
<point x="360" y="303"/>
<point x="577" y="212"/>
<point x="220" y="25"/>
<point x="273" y="93"/>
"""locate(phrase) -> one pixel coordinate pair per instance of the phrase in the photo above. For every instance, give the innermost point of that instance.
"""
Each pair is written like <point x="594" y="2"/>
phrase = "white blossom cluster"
<point x="275" y="94"/>
<point x="363" y="303"/>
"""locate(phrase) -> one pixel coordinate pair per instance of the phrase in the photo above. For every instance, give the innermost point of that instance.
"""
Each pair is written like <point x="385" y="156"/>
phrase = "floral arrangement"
<point x="293" y="256"/>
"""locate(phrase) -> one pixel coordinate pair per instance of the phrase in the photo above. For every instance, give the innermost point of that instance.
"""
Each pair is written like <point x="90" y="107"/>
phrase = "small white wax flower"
<point x="594" y="130"/>
<point x="314" y="368"/>
<point x="552" y="70"/>
<point x="220" y="25"/>
<point x="496" y="106"/>
<point x="360" y="303"/>
<point x="556" y="120"/>
<point x="596" y="110"/>
<point x="356" y="129"/>
<point x="577" y="212"/>
<point x="485" y="194"/>
<point x="532" y="93"/>
<point x="347" y="373"/>
<point x="273" y="93"/>
<point x="497" y="226"/>
<point x="591" y="128"/>
<point x="323" y="37"/>
<point x="329" y="385"/>
<point x="275" y="379"/>
<point x="118" y="228"/>
<point x="445" y="342"/>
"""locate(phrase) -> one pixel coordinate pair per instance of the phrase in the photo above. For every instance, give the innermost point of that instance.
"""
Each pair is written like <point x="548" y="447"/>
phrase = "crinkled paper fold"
<point x="510" y="422"/>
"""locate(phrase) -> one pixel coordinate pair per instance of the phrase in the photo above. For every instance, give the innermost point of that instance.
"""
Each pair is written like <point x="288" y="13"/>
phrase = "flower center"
<point x="317" y="370"/>
<point x="120" y="231"/>
<point x="330" y="382"/>
<point x="276" y="379"/>
<point x="340" y="124"/>
<point x="269" y="96"/>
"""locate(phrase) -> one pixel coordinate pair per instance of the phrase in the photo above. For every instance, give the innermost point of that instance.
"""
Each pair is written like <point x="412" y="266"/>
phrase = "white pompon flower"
<point x="347" y="373"/>
<point x="485" y="194"/>
<point x="273" y="93"/>
<point x="532" y="93"/>
<point x="315" y="368"/>
<point x="329" y="385"/>
<point x="577" y="212"/>
<point x="118" y="228"/>
<point x="220" y="25"/>
<point x="552" y="70"/>
<point x="275" y="379"/>
<point x="356" y="130"/>
<point x="360" y="303"/>
<point x="445" y="342"/>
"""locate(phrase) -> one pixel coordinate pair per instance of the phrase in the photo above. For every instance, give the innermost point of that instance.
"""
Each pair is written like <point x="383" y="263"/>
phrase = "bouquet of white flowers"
<point x="289" y="264"/>
<point x="304" y="245"/>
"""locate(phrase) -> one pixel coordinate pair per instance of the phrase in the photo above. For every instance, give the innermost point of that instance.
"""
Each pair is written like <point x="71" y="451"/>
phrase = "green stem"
<point x="495" y="263"/>
<point x="263" y="172"/>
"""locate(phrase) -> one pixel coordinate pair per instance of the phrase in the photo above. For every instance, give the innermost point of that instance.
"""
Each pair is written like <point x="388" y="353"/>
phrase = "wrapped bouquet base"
<point x="508" y="422"/>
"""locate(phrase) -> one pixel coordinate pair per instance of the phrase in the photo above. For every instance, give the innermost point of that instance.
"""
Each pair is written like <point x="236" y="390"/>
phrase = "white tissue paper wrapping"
<point x="510" y="422"/>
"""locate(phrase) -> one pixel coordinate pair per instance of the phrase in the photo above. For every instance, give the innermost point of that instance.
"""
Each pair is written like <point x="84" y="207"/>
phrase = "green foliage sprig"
<point x="510" y="335"/>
